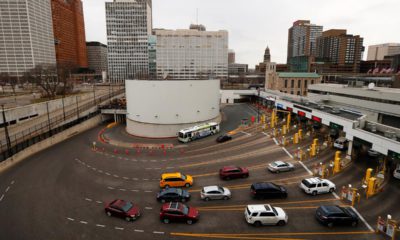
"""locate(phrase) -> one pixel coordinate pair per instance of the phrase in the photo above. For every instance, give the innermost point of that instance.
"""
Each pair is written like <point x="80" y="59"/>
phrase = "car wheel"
<point x="207" y="199"/>
<point x="163" y="200"/>
<point x="108" y="214"/>
<point x="128" y="219"/>
<point x="281" y="223"/>
<point x="330" y="224"/>
<point x="314" y="193"/>
<point x="166" y="220"/>
<point x="189" y="222"/>
<point x="187" y="185"/>
<point x="257" y="223"/>
<point x="354" y="224"/>
<point x="331" y="190"/>
<point x="225" y="198"/>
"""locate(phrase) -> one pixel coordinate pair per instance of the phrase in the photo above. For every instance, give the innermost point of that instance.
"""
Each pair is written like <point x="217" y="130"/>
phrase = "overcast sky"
<point x="254" y="24"/>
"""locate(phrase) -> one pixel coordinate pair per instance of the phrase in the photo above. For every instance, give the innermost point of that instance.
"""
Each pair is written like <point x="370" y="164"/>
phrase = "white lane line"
<point x="100" y="225"/>
<point x="126" y="178"/>
<point x="115" y="175"/>
<point x="100" y="171"/>
<point x="266" y="134"/>
<point x="108" y="174"/>
<point x="335" y="195"/>
<point x="145" y="179"/>
<point x="135" y="179"/>
<point x="119" y="228"/>
<point x="276" y="142"/>
<point x="99" y="202"/>
<point x="12" y="182"/>
<point x="83" y="222"/>
<point x="362" y="219"/>
<point x="248" y="134"/>
<point x="88" y="199"/>
<point x="134" y="190"/>
<point x="148" y="208"/>
<point x="122" y="189"/>
<point x="94" y="169"/>
<point x="305" y="167"/>
<point x="1" y="198"/>
<point x="110" y="188"/>
<point x="155" y="232"/>
<point x="8" y="188"/>
<point x="148" y="191"/>
<point x="71" y="219"/>
<point x="138" y="230"/>
<point x="287" y="152"/>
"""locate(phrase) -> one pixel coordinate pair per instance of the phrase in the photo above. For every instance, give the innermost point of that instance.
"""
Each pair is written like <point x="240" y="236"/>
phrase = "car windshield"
<point x="306" y="183"/>
<point x="274" y="164"/>
<point x="185" y="209"/>
<point x="248" y="211"/>
<point x="183" y="176"/>
<point x="273" y="209"/>
<point x="221" y="189"/>
<point x="179" y="191"/>
<point x="127" y="206"/>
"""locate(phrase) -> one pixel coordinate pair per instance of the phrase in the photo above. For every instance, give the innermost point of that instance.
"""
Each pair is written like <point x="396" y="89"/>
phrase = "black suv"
<point x="173" y="195"/>
<point x="267" y="190"/>
<point x="336" y="215"/>
<point x="223" y="138"/>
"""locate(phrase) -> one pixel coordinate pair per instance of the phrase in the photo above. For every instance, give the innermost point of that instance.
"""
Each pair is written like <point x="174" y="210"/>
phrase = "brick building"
<point x="69" y="33"/>
<point x="295" y="83"/>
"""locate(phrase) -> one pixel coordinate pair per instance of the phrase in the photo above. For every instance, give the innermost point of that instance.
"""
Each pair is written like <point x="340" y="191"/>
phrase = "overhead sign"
<point x="289" y="109"/>
<point x="301" y="114"/>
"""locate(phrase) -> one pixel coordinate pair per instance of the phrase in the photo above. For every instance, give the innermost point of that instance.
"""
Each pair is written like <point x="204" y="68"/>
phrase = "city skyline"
<point x="245" y="35"/>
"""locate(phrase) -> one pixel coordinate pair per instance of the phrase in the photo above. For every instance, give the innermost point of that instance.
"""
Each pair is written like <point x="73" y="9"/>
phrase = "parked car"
<point x="232" y="172"/>
<point x="215" y="192"/>
<point x="224" y="138"/>
<point x="175" y="180"/>
<point x="260" y="214"/>
<point x="396" y="172"/>
<point x="336" y="215"/>
<point x="317" y="185"/>
<point x="173" y="195"/>
<point x="122" y="209"/>
<point x="341" y="143"/>
<point x="280" y="166"/>
<point x="178" y="212"/>
<point x="267" y="190"/>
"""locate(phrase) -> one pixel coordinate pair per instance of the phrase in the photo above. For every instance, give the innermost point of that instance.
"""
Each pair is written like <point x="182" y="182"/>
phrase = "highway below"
<point x="60" y="193"/>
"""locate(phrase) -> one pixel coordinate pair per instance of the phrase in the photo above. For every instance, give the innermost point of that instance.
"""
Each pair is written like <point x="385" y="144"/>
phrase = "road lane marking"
<point x="156" y="232"/>
<point x="248" y="134"/>
<point x="1" y="198"/>
<point x="138" y="230"/>
<point x="238" y="235"/>
<point x="100" y="225"/>
<point x="71" y="219"/>
<point x="287" y="152"/>
<point x="88" y="199"/>
<point x="12" y="182"/>
<point x="119" y="228"/>
<point x="134" y="190"/>
<point x="110" y="188"/>
<point x="83" y="222"/>
<point x="122" y="189"/>
<point x="148" y="208"/>
<point x="108" y="174"/>
<point x="362" y="219"/>
<point x="8" y="188"/>
<point x="99" y="202"/>
<point x="306" y="168"/>
<point x="276" y="142"/>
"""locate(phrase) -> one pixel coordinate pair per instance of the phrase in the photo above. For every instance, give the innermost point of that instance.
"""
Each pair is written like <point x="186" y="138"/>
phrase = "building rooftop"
<point x="328" y="86"/>
<point x="297" y="75"/>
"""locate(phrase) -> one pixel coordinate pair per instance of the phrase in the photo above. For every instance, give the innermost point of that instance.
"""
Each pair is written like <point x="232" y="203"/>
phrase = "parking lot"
<point x="61" y="193"/>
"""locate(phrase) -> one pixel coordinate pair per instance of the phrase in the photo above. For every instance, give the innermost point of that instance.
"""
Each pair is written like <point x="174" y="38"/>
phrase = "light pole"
<point x="258" y="105"/>
<point x="48" y="116"/>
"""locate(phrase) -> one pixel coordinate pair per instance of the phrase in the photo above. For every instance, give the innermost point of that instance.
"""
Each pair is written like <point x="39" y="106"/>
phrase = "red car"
<point x="178" y="212"/>
<point x="231" y="172"/>
<point x="123" y="209"/>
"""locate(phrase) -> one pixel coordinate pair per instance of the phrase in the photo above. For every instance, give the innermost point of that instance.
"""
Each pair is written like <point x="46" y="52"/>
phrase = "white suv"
<point x="259" y="214"/>
<point x="317" y="185"/>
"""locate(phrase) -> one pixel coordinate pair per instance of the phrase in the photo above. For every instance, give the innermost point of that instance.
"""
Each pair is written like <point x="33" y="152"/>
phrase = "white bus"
<point x="199" y="131"/>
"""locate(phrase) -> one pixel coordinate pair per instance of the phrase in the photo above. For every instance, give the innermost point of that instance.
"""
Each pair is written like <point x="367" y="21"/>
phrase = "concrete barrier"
<point x="40" y="146"/>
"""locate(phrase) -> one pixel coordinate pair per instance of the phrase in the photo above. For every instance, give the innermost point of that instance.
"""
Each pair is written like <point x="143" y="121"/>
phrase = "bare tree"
<point x="46" y="78"/>
<point x="3" y="80"/>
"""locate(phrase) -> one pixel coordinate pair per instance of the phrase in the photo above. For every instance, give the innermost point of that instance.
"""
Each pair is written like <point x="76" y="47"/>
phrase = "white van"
<point x="341" y="143"/>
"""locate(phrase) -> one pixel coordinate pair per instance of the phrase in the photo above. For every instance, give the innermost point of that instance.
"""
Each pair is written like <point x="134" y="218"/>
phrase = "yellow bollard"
<point x="336" y="162"/>
<point x="288" y="121"/>
<point x="296" y="139"/>
<point x="284" y="130"/>
<point x="371" y="186"/>
<point x="313" y="150"/>
<point x="315" y="141"/>
<point x="300" y="132"/>
<point x="356" y="196"/>
<point x="368" y="174"/>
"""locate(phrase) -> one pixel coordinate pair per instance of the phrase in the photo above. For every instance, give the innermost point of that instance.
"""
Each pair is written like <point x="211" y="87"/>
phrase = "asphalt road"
<point x="60" y="193"/>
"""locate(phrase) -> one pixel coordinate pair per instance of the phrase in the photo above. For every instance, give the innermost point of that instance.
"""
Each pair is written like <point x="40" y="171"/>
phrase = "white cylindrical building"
<point x="160" y="109"/>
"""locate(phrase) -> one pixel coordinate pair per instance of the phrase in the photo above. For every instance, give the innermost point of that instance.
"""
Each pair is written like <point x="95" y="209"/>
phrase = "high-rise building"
<point x="339" y="52"/>
<point x="26" y="36"/>
<point x="97" y="57"/>
<point x="380" y="51"/>
<point x="69" y="33"/>
<point x="231" y="56"/>
<point x="191" y="54"/>
<point x="129" y="24"/>
<point x="267" y="55"/>
<point x="302" y="40"/>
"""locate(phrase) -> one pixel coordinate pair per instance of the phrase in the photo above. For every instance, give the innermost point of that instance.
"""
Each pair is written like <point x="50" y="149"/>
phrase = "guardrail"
<point x="54" y="125"/>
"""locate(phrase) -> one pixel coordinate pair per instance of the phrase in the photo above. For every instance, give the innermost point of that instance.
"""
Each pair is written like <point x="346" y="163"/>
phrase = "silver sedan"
<point x="215" y="192"/>
<point x="280" y="166"/>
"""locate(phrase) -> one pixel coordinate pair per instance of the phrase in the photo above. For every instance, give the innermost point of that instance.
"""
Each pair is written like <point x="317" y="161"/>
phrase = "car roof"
<point x="314" y="180"/>
<point x="263" y="185"/>
<point x="279" y="162"/>
<point x="211" y="188"/>
<point x="259" y="208"/>
<point x="169" y="190"/>
<point x="330" y="209"/>
<point x="118" y="203"/>
<point x="172" y="205"/>
<point x="227" y="168"/>
<point x="169" y="175"/>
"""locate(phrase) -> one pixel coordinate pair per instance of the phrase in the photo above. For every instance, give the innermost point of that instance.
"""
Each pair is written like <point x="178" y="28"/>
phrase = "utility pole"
<point x="6" y="131"/>
<point x="258" y="105"/>
<point x="48" y="116"/>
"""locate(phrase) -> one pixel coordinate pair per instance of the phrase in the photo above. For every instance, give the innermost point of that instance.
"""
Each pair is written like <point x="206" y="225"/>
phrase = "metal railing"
<point x="54" y="125"/>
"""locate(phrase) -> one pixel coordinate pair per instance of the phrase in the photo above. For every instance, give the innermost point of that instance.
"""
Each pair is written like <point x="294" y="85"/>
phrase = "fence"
<point x="52" y="126"/>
